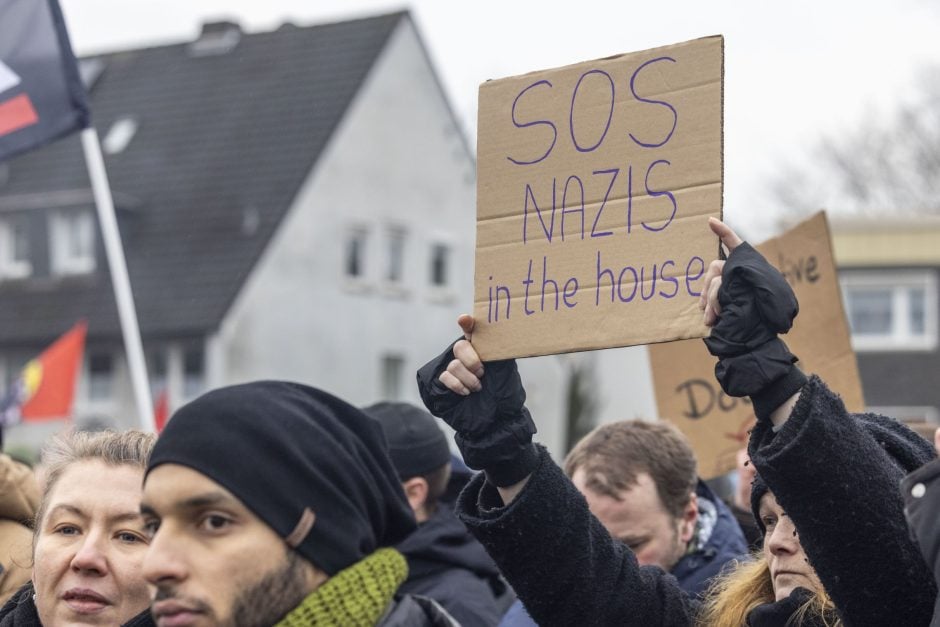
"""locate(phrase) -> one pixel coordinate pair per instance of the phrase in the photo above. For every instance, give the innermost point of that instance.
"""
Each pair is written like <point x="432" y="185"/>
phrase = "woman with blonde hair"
<point x="89" y="539"/>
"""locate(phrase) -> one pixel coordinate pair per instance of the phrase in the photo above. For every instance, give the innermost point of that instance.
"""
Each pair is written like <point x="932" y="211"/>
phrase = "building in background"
<point x="294" y="204"/>
<point x="889" y="268"/>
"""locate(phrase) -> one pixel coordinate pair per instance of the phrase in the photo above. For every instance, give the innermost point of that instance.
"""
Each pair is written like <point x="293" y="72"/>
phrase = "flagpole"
<point x="119" y="278"/>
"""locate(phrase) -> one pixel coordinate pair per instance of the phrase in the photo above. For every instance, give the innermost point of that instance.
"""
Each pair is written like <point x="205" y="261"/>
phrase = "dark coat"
<point x="20" y="611"/>
<point x="726" y="543"/>
<point x="921" y="491"/>
<point x="842" y="495"/>
<point x="832" y="473"/>
<point x="447" y="564"/>
<point x="561" y="561"/>
<point x="695" y="570"/>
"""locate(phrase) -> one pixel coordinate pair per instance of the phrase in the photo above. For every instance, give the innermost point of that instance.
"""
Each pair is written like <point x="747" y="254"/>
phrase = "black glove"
<point x="780" y="612"/>
<point x="757" y="304"/>
<point x="494" y="429"/>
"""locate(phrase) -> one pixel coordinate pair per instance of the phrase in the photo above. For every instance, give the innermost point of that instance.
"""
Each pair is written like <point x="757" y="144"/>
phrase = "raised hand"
<point x="494" y="429"/>
<point x="748" y="303"/>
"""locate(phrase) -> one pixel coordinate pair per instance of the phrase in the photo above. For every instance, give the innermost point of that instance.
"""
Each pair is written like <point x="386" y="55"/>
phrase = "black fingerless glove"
<point x="494" y="429"/>
<point x="757" y="304"/>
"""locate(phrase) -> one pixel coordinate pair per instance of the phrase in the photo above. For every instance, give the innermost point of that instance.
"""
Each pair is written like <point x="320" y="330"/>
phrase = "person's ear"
<point x="689" y="518"/>
<point x="416" y="490"/>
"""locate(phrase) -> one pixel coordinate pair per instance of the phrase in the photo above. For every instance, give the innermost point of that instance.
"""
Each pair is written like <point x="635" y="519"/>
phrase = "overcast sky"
<point x="793" y="71"/>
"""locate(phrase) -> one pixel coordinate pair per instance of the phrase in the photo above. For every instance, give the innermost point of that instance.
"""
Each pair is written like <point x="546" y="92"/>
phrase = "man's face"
<point x="211" y="560"/>
<point x="639" y="520"/>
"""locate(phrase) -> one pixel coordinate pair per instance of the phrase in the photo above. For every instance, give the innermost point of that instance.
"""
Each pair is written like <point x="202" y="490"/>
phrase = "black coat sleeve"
<point x="832" y="475"/>
<point x="562" y="563"/>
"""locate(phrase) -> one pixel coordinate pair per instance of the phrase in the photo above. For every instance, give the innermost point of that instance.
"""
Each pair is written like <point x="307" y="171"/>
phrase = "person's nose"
<point x="783" y="538"/>
<point x="164" y="560"/>
<point x="91" y="557"/>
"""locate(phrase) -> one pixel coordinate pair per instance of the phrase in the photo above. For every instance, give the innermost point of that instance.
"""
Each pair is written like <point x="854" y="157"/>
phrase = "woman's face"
<point x="789" y="567"/>
<point x="89" y="547"/>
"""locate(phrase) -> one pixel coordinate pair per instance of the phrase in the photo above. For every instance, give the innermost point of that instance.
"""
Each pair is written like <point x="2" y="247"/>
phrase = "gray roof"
<point x="223" y="145"/>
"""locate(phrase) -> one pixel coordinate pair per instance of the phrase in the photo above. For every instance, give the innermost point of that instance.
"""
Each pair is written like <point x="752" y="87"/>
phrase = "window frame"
<point x="393" y="366"/>
<point x="62" y="261"/>
<point x="447" y="263"/>
<point x="356" y="233"/>
<point x="10" y="267"/>
<point x="898" y="282"/>
<point x="396" y="250"/>
<point x="101" y="385"/>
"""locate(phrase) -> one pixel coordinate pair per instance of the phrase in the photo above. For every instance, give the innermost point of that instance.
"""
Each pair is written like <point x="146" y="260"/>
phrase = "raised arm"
<point x="534" y="523"/>
<point x="835" y="473"/>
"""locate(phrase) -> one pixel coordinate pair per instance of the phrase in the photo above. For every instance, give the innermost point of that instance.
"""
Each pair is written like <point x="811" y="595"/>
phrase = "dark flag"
<point x="41" y="92"/>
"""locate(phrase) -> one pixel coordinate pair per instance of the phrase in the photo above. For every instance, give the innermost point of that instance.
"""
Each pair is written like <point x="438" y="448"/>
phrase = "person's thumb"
<point x="724" y="232"/>
<point x="466" y="323"/>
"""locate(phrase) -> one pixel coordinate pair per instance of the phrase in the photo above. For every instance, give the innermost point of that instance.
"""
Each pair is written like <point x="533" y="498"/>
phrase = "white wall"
<point x="396" y="160"/>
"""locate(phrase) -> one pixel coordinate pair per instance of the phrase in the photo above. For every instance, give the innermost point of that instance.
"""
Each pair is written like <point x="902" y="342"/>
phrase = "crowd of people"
<point x="275" y="503"/>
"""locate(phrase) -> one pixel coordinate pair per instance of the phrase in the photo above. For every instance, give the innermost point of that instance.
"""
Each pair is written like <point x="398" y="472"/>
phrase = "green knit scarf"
<point x="354" y="597"/>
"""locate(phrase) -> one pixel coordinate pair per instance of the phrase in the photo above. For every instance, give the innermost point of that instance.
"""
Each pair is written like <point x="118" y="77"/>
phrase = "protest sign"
<point x="687" y="393"/>
<point x="595" y="184"/>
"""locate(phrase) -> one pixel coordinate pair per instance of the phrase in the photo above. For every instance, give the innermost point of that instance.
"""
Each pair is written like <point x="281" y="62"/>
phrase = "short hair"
<point x="114" y="448"/>
<point x="612" y="455"/>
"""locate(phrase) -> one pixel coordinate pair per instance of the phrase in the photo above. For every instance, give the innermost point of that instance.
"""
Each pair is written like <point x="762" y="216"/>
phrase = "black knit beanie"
<point x="906" y="448"/>
<point x="311" y="466"/>
<point x="416" y="444"/>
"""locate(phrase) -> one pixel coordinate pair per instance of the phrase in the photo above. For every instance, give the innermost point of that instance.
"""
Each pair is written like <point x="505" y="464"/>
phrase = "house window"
<point x="119" y="135"/>
<point x="72" y="237"/>
<point x="356" y="253"/>
<point x="14" y="249"/>
<point x="193" y="371"/>
<point x="891" y="311"/>
<point x="156" y="371"/>
<point x="393" y="367"/>
<point x="396" y="255"/>
<point x="440" y="256"/>
<point x="100" y="376"/>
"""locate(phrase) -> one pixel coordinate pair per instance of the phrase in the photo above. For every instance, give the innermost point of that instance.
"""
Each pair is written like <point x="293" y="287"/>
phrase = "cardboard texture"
<point x="687" y="393"/>
<point x="595" y="184"/>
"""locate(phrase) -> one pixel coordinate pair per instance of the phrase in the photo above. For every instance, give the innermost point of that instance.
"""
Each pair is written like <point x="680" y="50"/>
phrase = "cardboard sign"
<point x="595" y="184"/>
<point x="684" y="372"/>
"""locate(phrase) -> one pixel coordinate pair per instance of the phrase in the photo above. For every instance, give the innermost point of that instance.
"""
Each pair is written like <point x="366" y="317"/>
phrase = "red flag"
<point x="41" y="92"/>
<point x="47" y="383"/>
<point x="161" y="410"/>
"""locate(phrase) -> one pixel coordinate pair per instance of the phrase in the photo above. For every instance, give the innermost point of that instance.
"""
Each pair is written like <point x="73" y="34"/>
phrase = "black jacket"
<point x="921" y="491"/>
<point x="832" y="473"/>
<point x="561" y="561"/>
<point x="20" y="611"/>
<point x="447" y="564"/>
<point x="569" y="571"/>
